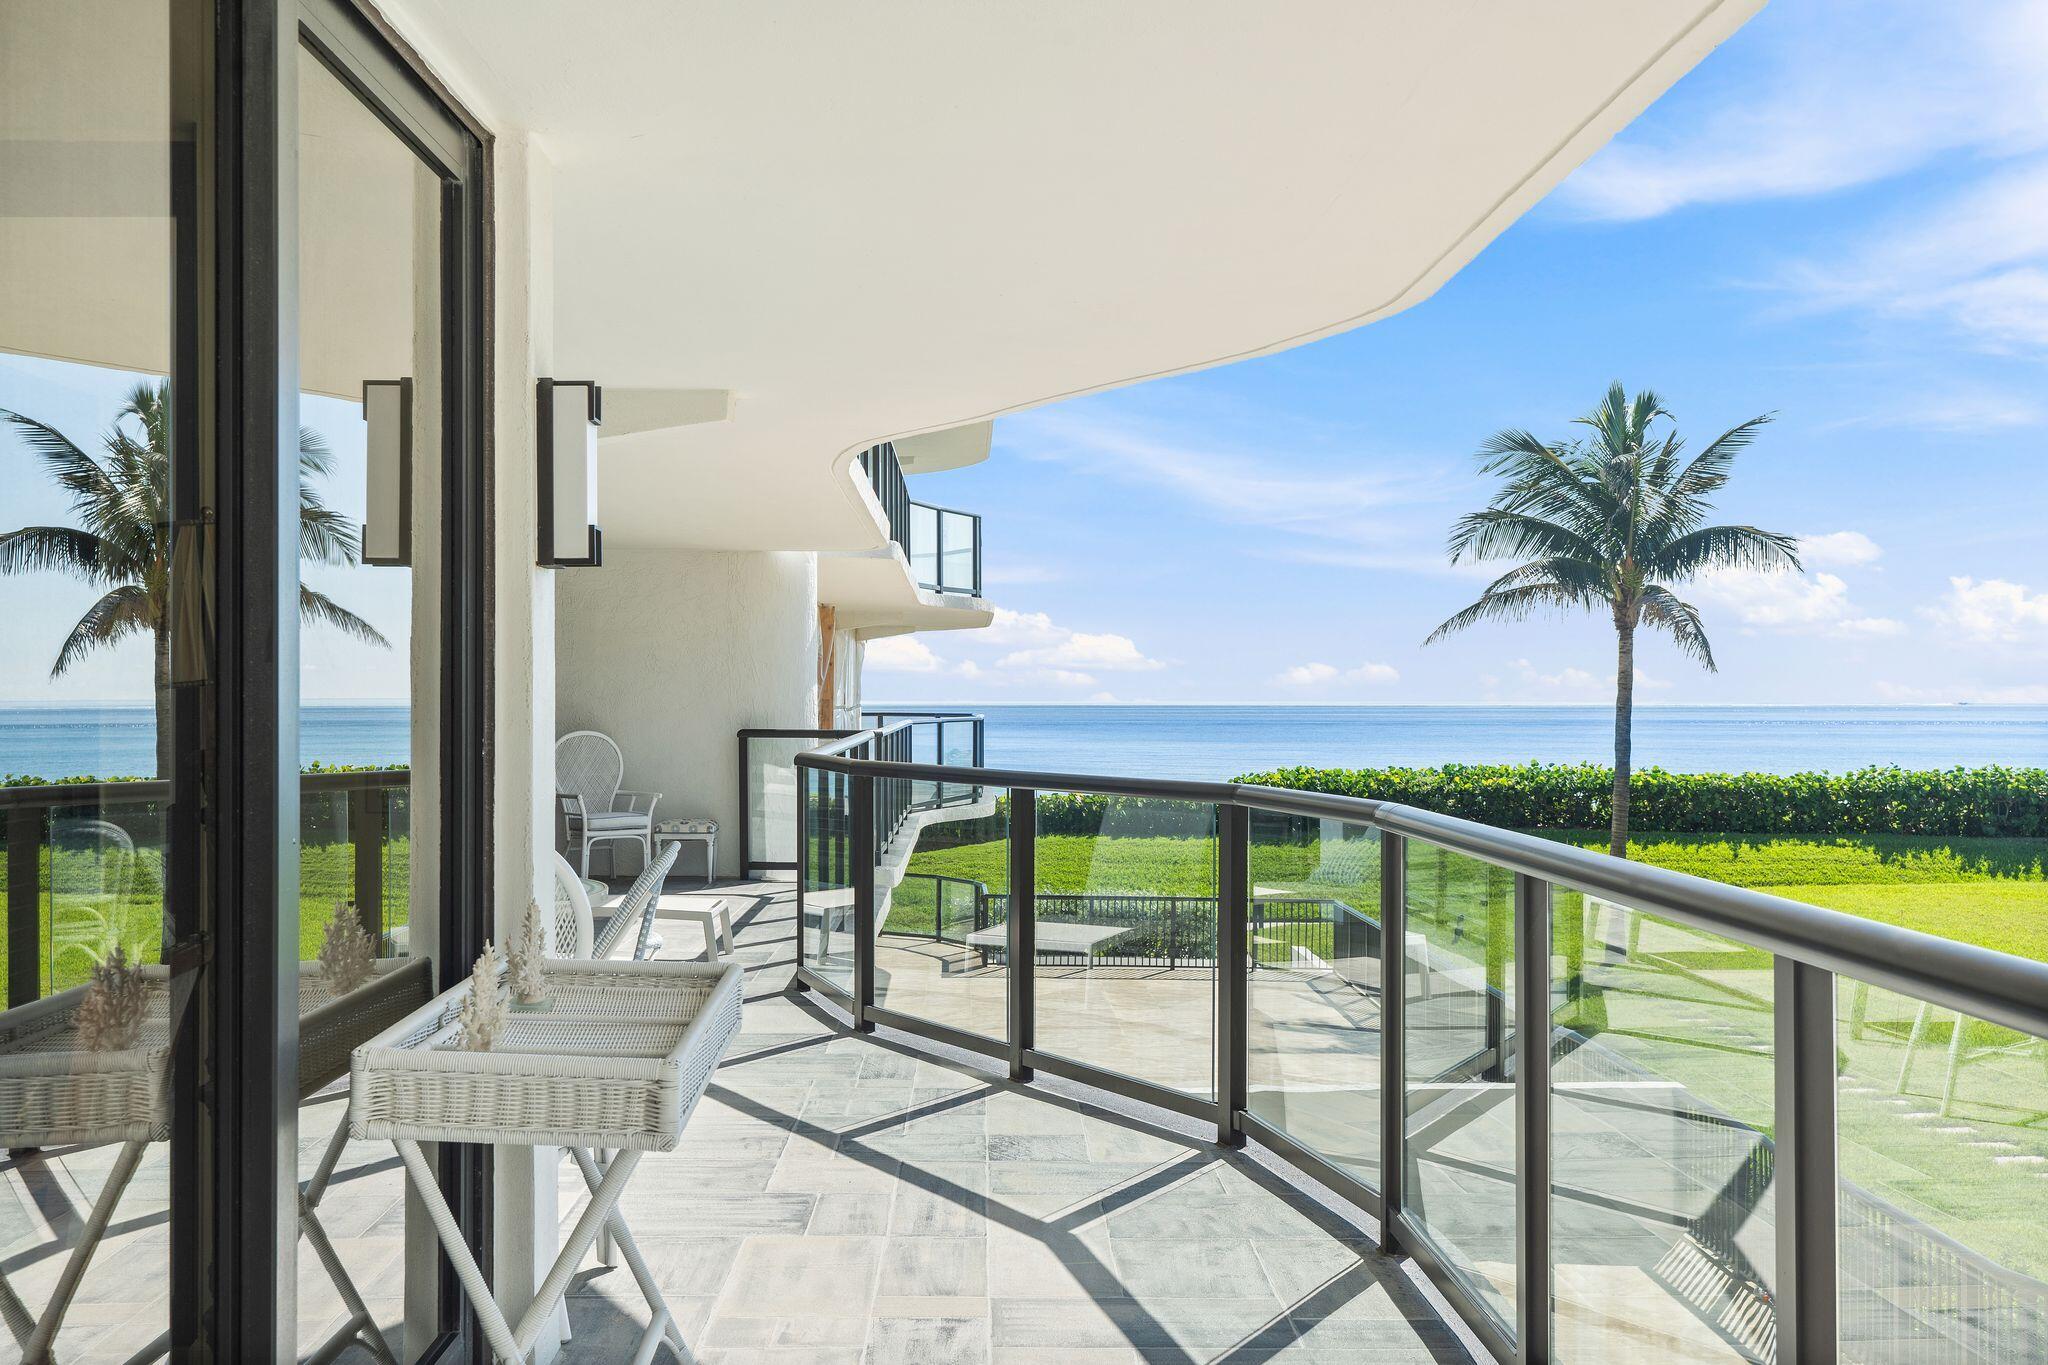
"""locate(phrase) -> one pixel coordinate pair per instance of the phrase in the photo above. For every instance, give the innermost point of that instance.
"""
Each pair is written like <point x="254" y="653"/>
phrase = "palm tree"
<point x="1611" y="522"/>
<point x="124" y="541"/>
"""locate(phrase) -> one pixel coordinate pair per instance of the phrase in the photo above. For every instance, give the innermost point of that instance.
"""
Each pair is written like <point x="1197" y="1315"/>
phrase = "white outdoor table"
<point x="617" y="1065"/>
<point x="716" y="921"/>
<point x="1050" y="936"/>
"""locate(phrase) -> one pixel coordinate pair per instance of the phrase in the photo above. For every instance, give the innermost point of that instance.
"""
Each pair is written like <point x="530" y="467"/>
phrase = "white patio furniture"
<point x="617" y="1064"/>
<point x="589" y="770"/>
<point x="634" y="911"/>
<point x="698" y="830"/>
<point x="53" y="1094"/>
<point x="573" y="931"/>
<point x="716" y="921"/>
<point x="1049" y="936"/>
<point x="91" y="864"/>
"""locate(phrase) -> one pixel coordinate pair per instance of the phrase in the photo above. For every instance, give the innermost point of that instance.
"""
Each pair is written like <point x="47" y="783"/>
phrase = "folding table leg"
<point x="508" y="1342"/>
<point x="360" y="1323"/>
<point x="635" y="1262"/>
<point x="38" y="1345"/>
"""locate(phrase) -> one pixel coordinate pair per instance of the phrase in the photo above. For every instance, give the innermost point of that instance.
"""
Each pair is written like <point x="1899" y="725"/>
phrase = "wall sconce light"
<point x="387" y="518"/>
<point x="570" y="413"/>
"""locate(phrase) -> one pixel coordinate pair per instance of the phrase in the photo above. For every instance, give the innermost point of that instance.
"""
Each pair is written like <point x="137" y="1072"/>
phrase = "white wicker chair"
<point x="635" y="907"/>
<point x="589" y="770"/>
<point x="571" y="935"/>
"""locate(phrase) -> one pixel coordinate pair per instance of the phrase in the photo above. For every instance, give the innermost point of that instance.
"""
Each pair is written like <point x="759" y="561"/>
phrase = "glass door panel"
<point x="371" y="451"/>
<point x="101" y="668"/>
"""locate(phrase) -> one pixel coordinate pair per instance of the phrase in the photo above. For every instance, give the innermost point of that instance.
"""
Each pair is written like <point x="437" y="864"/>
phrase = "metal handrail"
<point x="1986" y="984"/>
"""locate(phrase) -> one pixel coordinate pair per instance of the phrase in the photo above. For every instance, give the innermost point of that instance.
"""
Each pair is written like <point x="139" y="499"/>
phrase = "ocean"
<point x="1219" y="742"/>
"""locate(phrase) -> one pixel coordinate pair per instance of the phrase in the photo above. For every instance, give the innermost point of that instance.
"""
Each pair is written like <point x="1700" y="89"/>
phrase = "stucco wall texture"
<point x="672" y="653"/>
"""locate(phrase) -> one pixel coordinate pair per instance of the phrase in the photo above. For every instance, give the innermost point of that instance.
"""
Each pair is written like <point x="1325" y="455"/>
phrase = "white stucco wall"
<point x="672" y="653"/>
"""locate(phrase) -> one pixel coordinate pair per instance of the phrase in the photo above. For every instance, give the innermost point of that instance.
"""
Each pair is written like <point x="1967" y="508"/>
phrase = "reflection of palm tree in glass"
<point x="124" y="542"/>
<point x="92" y="864"/>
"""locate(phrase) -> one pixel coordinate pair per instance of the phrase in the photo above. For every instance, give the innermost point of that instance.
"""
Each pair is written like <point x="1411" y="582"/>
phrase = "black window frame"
<point x="235" y="796"/>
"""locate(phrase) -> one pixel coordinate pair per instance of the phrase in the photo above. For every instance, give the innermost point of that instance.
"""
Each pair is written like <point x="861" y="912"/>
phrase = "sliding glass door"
<point x="242" y="784"/>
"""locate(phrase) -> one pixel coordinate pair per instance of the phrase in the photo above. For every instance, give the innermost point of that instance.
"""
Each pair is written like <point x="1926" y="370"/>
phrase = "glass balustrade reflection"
<point x="1314" y="995"/>
<point x="1458" y="1011"/>
<point x="1663" y="1209"/>
<point x="826" y="938"/>
<point x="1125" y="971"/>
<point x="941" y="892"/>
<point x="1943" y="1194"/>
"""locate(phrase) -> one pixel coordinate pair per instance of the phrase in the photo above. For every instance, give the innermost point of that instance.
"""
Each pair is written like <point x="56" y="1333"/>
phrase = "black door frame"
<point x="234" y="1226"/>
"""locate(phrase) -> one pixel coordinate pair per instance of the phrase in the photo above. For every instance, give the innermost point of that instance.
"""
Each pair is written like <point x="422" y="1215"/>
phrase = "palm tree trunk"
<point x="164" y="738"/>
<point x="1624" y="721"/>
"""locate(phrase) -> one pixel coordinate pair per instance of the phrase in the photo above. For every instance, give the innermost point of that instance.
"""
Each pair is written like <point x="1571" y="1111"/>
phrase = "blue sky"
<point x="1841" y="217"/>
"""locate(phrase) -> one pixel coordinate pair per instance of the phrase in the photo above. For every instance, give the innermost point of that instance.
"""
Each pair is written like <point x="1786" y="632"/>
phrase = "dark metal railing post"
<point x="804" y="826"/>
<point x="1393" y="1010"/>
<point x="864" y="848"/>
<point x="1803" y="1045"/>
<point x="1022" y="949"/>
<point x="1233" y="874"/>
<point x="1532" y="1120"/>
<point x="367" y="812"/>
<point x="24" y="900"/>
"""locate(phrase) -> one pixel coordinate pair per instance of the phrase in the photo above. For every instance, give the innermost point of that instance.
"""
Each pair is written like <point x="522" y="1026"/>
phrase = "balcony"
<point x="1746" y="1129"/>
<point x="928" y="575"/>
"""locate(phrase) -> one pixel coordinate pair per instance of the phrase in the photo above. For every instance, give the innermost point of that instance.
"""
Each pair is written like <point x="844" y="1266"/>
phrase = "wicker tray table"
<point x="616" y="1065"/>
<point x="53" y="1094"/>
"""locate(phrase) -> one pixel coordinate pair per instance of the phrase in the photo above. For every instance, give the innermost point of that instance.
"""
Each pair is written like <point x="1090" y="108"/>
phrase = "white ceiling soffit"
<point x="937" y="450"/>
<point x="871" y="592"/>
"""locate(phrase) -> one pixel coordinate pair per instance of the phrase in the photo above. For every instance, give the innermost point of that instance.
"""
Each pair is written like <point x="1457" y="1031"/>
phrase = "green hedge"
<point x="1991" y="802"/>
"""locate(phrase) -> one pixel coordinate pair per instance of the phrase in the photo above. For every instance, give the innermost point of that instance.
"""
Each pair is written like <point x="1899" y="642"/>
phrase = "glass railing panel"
<point x="942" y="883"/>
<point x="327" y="863"/>
<point x="923" y="548"/>
<point x="1313" y="1000"/>
<point x="771" y="787"/>
<point x="1943" y="1195"/>
<point x="958" y="532"/>
<point x="1125" y="976"/>
<point x="1458" y="1012"/>
<point x="825" y="938"/>
<point x="1663" y="1210"/>
<point x="397" y="856"/>
<point x="101" y="884"/>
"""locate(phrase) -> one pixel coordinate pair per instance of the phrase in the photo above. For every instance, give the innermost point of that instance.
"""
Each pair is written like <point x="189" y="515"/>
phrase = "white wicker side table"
<point x="617" y="1064"/>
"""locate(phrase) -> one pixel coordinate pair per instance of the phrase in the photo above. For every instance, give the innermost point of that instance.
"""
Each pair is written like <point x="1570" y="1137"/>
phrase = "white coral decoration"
<point x="482" y="1014"/>
<point x="529" y="984"/>
<point x="109" y="1018"/>
<point x="348" y="956"/>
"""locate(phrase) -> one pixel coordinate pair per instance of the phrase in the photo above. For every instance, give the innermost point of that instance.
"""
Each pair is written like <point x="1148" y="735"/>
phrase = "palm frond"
<point x="59" y="549"/>
<point x="1723" y="547"/>
<point x="74" y="470"/>
<point x="119" y="614"/>
<point x="1681" y="621"/>
<point x="321" y="609"/>
<point x="315" y="457"/>
<point x="1497" y="533"/>
<point x="1514" y="604"/>
<point x="326" y="536"/>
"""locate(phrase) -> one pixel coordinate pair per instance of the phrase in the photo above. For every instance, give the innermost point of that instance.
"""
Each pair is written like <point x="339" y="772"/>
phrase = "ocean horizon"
<point x="1219" y="741"/>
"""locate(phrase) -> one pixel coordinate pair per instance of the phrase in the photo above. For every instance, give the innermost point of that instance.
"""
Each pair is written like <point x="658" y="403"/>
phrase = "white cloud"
<point x="1306" y="675"/>
<point x="1020" y="628"/>
<point x="1994" y="610"/>
<point x="1838" y="550"/>
<point x="900" y="654"/>
<point x="1308" y="495"/>
<point x="1837" y="95"/>
<point x="1967" y="410"/>
<point x="1976" y="259"/>
<point x="1322" y="674"/>
<point x="1793" y="603"/>
<point x="1080" y="649"/>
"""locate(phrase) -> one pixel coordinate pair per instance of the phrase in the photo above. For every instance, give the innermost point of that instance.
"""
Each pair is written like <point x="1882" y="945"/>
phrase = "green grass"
<point x="326" y="873"/>
<point x="1989" y="892"/>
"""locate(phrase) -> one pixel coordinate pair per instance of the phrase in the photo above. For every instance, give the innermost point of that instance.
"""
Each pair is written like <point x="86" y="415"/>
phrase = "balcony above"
<point x="926" y="577"/>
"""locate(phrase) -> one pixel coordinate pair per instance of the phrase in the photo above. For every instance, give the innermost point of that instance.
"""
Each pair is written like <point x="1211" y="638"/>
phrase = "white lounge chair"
<point x="589" y="770"/>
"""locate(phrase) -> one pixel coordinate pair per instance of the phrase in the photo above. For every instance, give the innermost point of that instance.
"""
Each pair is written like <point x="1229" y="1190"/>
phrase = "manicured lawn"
<point x="1990" y="892"/>
<point x="326" y="873"/>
